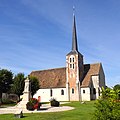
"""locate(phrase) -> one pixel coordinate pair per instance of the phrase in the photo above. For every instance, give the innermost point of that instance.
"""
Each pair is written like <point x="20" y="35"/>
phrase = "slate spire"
<point x="74" y="36"/>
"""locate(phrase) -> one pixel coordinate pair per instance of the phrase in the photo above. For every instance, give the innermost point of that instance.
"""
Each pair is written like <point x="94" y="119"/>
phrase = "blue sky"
<point x="37" y="34"/>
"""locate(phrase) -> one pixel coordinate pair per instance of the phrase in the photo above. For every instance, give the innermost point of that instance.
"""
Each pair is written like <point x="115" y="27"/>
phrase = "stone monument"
<point x="26" y="94"/>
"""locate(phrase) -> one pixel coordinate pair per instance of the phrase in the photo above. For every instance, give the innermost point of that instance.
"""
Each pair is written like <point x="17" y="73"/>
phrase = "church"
<point x="75" y="82"/>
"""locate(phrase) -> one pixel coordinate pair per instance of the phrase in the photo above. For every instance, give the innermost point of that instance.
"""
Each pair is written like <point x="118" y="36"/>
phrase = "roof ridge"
<point x="48" y="69"/>
<point x="93" y="63"/>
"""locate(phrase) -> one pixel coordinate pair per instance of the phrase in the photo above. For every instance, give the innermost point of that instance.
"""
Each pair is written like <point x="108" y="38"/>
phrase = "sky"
<point x="37" y="34"/>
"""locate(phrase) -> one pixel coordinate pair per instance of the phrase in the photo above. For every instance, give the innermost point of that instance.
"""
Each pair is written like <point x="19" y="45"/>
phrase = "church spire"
<point x="74" y="36"/>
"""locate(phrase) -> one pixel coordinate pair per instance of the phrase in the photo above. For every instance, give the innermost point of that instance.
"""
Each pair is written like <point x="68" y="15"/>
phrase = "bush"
<point x="30" y="106"/>
<point x="7" y="101"/>
<point x="54" y="102"/>
<point x="33" y="104"/>
<point x="108" y="106"/>
<point x="13" y="97"/>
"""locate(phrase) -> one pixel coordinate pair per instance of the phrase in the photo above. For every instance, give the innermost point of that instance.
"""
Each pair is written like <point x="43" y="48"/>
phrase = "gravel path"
<point x="43" y="108"/>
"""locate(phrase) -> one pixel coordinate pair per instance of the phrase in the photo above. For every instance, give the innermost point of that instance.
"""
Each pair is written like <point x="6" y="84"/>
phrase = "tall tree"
<point x="18" y="84"/>
<point x="34" y="84"/>
<point x="6" y="79"/>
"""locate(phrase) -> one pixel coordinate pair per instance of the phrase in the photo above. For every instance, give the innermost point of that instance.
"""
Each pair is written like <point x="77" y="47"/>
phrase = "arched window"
<point x="83" y="91"/>
<point x="51" y="93"/>
<point x="73" y="66"/>
<point x="73" y="59"/>
<point x="70" y="60"/>
<point x="70" y="65"/>
<point x="90" y="91"/>
<point x="94" y="91"/>
<point x="72" y="90"/>
<point x="62" y="92"/>
<point x="99" y="91"/>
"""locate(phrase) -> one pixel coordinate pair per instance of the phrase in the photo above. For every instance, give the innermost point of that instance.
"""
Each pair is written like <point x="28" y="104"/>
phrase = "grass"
<point x="81" y="112"/>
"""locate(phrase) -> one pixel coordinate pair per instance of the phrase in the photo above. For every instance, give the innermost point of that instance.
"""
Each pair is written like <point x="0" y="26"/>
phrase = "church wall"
<point x="95" y="81"/>
<point x="102" y="78"/>
<point x="85" y="94"/>
<point x="95" y="87"/>
<point x="47" y="94"/>
<point x="72" y="72"/>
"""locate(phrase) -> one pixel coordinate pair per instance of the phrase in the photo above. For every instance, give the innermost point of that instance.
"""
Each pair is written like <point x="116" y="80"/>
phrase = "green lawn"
<point x="81" y="112"/>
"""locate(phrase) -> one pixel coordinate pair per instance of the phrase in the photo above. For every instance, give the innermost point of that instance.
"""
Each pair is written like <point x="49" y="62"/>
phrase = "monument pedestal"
<point x="26" y="95"/>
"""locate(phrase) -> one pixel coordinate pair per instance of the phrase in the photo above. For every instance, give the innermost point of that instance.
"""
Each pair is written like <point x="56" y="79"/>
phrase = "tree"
<point x="116" y="87"/>
<point x="108" y="106"/>
<point x="117" y="90"/>
<point x="18" y="84"/>
<point x="6" y="79"/>
<point x="34" y="84"/>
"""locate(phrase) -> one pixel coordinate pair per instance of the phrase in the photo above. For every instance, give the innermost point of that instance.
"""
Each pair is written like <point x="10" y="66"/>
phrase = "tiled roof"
<point x="90" y="70"/>
<point x="56" y="78"/>
<point x="51" y="78"/>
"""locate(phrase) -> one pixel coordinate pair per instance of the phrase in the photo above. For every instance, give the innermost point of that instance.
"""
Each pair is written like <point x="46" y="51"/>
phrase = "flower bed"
<point x="33" y="104"/>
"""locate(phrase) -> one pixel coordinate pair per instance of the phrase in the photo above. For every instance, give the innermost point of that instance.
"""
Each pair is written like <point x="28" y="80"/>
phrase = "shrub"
<point x="33" y="104"/>
<point x="30" y="106"/>
<point x="7" y="101"/>
<point x="54" y="102"/>
<point x="13" y="97"/>
<point x="108" y="106"/>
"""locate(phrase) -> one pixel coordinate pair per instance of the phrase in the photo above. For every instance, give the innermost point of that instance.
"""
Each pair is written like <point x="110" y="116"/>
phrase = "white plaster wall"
<point x="56" y="93"/>
<point x="95" y="81"/>
<point x="85" y="96"/>
<point x="96" y="85"/>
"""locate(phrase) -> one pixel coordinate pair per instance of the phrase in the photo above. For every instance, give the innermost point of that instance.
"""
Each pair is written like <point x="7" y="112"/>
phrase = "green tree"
<point x="108" y="106"/>
<point x="18" y="84"/>
<point x="6" y="79"/>
<point x="116" y="87"/>
<point x="117" y="90"/>
<point x="34" y="84"/>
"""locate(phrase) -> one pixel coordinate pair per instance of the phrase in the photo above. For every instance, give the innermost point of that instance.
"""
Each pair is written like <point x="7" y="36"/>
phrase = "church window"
<point x="90" y="91"/>
<point x="99" y="91"/>
<point x="73" y="60"/>
<point x="72" y="90"/>
<point x="73" y="66"/>
<point x="51" y="93"/>
<point x="83" y="91"/>
<point x="62" y="92"/>
<point x="94" y="91"/>
<point x="70" y="65"/>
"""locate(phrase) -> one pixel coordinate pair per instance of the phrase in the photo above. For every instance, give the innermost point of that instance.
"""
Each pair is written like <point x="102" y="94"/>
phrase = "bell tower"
<point x="74" y="68"/>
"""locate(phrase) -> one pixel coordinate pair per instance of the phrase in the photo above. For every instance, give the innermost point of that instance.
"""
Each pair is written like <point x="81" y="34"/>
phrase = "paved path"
<point x="43" y="108"/>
